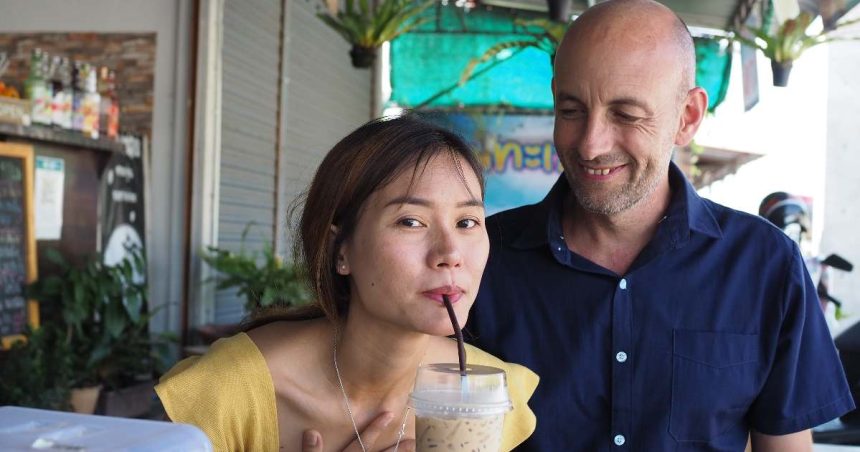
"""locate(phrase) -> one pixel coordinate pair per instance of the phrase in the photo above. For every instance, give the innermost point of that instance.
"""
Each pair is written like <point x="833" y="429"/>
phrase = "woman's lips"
<point x="453" y="293"/>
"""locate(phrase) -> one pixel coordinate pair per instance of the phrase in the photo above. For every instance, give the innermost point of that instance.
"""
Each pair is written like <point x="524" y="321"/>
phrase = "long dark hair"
<point x="361" y="163"/>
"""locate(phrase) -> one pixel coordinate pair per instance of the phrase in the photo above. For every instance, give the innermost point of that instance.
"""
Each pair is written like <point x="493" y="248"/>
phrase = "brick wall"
<point x="131" y="55"/>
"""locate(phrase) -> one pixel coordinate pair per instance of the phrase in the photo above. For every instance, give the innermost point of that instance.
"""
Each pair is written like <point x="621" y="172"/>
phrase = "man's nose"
<point x="444" y="251"/>
<point x="596" y="138"/>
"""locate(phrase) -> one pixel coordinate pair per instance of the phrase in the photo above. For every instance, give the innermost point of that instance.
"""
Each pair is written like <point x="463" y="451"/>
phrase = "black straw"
<point x="461" y="349"/>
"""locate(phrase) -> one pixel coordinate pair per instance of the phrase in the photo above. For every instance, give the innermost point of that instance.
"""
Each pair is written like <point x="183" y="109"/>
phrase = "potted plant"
<point x="38" y="372"/>
<point x="102" y="310"/>
<point x="790" y="39"/>
<point x="367" y="28"/>
<point x="559" y="10"/>
<point x="261" y="277"/>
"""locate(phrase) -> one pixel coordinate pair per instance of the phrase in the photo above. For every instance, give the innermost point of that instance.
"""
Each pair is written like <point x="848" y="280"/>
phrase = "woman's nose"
<point x="445" y="251"/>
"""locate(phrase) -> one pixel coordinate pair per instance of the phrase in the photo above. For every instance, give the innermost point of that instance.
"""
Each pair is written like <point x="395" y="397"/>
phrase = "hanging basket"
<point x="781" y="71"/>
<point x="362" y="57"/>
<point x="559" y="10"/>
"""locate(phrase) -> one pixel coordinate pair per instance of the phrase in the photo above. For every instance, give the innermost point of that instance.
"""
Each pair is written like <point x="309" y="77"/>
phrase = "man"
<point x="656" y="319"/>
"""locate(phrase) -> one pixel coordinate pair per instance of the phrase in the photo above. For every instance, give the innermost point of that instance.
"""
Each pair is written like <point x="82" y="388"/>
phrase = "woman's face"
<point x="412" y="245"/>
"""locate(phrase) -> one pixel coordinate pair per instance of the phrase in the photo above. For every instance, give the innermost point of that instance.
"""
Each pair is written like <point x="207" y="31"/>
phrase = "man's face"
<point x="617" y="113"/>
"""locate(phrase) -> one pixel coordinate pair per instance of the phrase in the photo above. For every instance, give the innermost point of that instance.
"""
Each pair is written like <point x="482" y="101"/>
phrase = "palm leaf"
<point x="491" y="53"/>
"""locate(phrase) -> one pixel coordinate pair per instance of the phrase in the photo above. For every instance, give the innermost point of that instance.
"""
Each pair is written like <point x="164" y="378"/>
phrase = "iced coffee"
<point x="456" y="413"/>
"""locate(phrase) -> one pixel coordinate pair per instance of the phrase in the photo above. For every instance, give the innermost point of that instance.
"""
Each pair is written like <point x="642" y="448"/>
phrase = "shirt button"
<point x="623" y="284"/>
<point x="621" y="357"/>
<point x="619" y="440"/>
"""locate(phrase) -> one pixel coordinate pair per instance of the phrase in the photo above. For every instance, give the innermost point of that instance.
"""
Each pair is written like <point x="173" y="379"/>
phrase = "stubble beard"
<point x="613" y="202"/>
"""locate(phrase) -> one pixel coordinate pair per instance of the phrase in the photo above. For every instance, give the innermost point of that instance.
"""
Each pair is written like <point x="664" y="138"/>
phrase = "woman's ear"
<point x="341" y="262"/>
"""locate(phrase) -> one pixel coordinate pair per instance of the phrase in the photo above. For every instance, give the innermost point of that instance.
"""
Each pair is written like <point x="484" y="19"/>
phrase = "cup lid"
<point x="441" y="391"/>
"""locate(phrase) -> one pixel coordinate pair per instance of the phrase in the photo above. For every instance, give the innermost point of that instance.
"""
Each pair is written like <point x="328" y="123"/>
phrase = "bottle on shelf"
<point x="79" y="77"/>
<point x="37" y="88"/>
<point x="61" y="87"/>
<point x="109" y="111"/>
<point x="91" y="104"/>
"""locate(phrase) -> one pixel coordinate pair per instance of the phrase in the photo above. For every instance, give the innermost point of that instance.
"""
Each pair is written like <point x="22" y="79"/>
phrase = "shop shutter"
<point x="251" y="59"/>
<point x="326" y="97"/>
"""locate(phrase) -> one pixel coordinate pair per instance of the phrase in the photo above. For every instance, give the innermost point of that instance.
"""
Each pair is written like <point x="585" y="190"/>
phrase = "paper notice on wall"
<point x="48" y="197"/>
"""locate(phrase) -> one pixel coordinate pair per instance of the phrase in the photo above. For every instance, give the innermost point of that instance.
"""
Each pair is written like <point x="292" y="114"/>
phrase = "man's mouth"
<point x="605" y="171"/>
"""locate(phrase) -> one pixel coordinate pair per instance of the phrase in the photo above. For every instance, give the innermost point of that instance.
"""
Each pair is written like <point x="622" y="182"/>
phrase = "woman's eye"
<point x="410" y="223"/>
<point x="467" y="223"/>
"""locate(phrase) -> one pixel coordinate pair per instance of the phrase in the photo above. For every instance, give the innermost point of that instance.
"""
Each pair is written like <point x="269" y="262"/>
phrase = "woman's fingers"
<point x="371" y="433"/>
<point x="312" y="441"/>
<point x="407" y="445"/>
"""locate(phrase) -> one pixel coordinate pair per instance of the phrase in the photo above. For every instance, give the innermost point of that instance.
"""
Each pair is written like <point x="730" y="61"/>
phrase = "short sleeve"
<point x="520" y="423"/>
<point x="806" y="385"/>
<point x="227" y="393"/>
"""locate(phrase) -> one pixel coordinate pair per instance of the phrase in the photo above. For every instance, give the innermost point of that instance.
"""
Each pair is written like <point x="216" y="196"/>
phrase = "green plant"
<point x="261" y="277"/>
<point x="367" y="28"/>
<point x="102" y="311"/>
<point x="38" y="372"/>
<point x="544" y="34"/>
<point x="790" y="40"/>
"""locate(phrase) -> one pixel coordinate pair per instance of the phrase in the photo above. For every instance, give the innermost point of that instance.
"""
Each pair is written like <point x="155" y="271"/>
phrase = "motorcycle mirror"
<point x="838" y="262"/>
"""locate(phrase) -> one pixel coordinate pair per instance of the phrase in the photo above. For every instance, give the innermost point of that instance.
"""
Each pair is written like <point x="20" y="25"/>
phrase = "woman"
<point x="393" y="221"/>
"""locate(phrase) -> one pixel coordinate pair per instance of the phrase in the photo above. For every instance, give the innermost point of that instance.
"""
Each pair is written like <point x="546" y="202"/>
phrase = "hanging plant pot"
<point x="559" y="10"/>
<point x="781" y="71"/>
<point x="362" y="57"/>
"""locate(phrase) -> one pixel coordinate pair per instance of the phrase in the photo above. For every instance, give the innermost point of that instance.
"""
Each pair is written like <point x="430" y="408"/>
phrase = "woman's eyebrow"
<point x="400" y="200"/>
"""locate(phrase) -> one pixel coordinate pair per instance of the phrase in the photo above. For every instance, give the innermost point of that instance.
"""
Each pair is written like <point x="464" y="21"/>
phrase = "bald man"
<point x="657" y="320"/>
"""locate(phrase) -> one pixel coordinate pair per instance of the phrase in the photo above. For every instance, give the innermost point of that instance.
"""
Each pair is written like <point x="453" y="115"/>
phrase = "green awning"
<point x="426" y="64"/>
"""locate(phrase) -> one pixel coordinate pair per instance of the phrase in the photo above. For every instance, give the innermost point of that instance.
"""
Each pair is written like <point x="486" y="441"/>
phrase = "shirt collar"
<point x="688" y="210"/>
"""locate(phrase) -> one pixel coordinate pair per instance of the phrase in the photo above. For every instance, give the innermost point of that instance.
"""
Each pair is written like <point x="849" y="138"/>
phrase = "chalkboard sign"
<point x="17" y="241"/>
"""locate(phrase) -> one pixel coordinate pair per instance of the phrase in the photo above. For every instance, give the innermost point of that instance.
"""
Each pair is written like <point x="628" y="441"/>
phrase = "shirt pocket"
<point x="713" y="382"/>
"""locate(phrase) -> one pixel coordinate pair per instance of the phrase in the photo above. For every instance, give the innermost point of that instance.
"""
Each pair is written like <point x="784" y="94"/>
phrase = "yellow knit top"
<point x="229" y="394"/>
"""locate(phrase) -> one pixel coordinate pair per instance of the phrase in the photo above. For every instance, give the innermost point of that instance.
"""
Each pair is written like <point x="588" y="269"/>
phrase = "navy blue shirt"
<point x="714" y="330"/>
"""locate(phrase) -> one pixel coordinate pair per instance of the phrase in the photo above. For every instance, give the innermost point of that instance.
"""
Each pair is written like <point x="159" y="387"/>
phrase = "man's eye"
<point x="467" y="223"/>
<point x="410" y="223"/>
<point x="571" y="113"/>
<point x="624" y="117"/>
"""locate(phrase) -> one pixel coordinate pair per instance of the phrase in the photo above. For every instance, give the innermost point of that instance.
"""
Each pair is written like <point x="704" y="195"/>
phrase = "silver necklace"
<point x="349" y="410"/>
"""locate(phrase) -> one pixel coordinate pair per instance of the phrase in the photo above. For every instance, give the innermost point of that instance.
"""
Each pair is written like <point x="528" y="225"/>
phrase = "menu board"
<point x="17" y="241"/>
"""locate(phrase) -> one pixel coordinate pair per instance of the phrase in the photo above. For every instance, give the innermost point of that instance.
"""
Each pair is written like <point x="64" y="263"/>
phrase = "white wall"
<point x="170" y="20"/>
<point x="788" y="126"/>
<point x="842" y="208"/>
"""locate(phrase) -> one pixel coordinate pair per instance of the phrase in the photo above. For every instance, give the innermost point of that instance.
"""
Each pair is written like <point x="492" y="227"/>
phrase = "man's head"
<point x="624" y="97"/>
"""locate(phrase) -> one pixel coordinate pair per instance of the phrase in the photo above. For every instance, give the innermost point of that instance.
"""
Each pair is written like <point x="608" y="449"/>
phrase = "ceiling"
<point x="715" y="14"/>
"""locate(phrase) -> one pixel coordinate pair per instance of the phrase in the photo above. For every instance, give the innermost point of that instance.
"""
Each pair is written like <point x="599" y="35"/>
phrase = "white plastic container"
<point x="28" y="429"/>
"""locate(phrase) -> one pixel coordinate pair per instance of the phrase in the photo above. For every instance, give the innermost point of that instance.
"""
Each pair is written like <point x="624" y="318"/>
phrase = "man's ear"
<point x="694" y="109"/>
<point x="341" y="263"/>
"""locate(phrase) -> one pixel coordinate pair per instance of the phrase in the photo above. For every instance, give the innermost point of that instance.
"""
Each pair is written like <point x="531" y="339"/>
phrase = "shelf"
<point x="59" y="136"/>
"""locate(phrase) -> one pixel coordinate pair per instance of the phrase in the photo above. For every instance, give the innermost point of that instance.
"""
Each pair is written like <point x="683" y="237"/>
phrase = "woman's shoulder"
<point x="226" y="358"/>
<point x="225" y="392"/>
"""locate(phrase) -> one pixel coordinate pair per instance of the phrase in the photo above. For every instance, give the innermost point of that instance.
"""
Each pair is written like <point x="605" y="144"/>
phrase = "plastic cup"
<point x="456" y="413"/>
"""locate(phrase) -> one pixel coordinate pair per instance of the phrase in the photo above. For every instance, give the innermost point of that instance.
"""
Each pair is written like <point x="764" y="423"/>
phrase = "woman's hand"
<point x="312" y="440"/>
